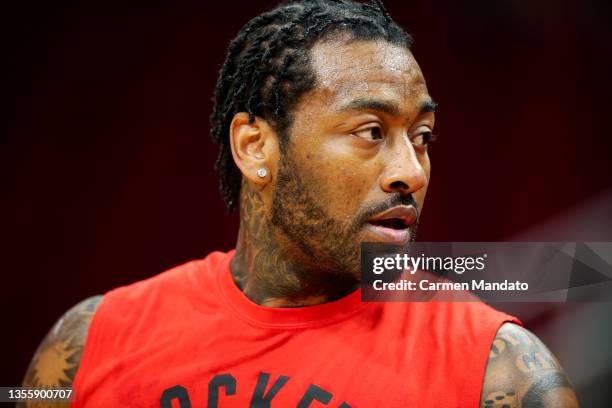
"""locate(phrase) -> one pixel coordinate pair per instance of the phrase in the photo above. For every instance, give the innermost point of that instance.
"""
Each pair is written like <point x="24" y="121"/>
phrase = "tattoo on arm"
<point x="57" y="359"/>
<point x="523" y="373"/>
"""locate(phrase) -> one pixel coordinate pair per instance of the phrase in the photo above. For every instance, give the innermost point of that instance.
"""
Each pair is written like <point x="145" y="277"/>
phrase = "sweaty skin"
<point x="357" y="146"/>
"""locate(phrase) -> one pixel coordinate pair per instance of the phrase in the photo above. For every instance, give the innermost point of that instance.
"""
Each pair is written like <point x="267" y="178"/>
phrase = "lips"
<point x="394" y="225"/>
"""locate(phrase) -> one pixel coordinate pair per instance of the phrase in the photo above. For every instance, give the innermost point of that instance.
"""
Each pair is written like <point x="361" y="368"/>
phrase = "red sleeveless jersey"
<point x="190" y="338"/>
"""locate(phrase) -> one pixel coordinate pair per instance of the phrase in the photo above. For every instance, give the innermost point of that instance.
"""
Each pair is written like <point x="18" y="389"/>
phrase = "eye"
<point x="423" y="139"/>
<point x="370" y="133"/>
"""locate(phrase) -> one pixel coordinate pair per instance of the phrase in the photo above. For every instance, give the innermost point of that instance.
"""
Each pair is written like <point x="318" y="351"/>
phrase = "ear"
<point x="254" y="147"/>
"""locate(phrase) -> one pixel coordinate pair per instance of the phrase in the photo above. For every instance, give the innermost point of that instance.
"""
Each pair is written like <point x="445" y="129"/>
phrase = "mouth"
<point x="394" y="225"/>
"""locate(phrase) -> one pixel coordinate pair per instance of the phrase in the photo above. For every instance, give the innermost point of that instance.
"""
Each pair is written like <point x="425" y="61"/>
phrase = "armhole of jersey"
<point x="477" y="382"/>
<point x="89" y="351"/>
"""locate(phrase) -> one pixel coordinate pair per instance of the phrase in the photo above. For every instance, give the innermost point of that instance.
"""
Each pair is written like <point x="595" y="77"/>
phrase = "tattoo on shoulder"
<point x="523" y="373"/>
<point x="57" y="359"/>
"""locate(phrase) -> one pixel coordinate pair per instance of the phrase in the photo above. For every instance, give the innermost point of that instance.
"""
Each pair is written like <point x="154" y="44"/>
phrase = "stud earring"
<point x="262" y="172"/>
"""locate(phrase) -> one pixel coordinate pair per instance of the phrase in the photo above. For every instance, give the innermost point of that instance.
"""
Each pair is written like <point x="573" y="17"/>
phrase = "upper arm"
<point x="522" y="372"/>
<point x="57" y="359"/>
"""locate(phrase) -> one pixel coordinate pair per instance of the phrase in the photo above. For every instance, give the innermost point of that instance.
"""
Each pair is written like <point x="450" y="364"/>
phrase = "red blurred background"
<point x="107" y="167"/>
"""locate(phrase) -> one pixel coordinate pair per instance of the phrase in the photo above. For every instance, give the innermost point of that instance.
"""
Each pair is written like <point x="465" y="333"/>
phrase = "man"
<point x="323" y="120"/>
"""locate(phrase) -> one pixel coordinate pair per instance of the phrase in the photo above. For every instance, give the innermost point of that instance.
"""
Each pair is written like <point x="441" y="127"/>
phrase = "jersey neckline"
<point x="283" y="317"/>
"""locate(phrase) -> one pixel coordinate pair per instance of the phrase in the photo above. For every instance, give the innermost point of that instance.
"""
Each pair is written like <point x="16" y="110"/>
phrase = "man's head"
<point x="326" y="96"/>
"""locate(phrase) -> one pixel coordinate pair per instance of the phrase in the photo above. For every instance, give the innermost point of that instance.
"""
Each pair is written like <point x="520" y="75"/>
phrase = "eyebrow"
<point x="371" y="104"/>
<point x="388" y="107"/>
<point x="428" y="106"/>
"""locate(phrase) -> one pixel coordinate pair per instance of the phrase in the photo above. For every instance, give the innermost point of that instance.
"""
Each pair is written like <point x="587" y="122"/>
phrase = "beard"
<point x="328" y="247"/>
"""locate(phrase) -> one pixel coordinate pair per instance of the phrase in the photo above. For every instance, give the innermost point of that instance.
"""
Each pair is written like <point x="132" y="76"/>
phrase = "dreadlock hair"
<point x="267" y="67"/>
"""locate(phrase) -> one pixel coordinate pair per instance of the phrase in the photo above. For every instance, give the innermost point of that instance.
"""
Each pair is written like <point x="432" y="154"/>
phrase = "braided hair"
<point x="267" y="67"/>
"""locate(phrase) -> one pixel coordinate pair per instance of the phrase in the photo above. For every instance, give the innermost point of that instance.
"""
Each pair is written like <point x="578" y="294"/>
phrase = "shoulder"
<point x="57" y="359"/>
<point x="181" y="278"/>
<point x="521" y="371"/>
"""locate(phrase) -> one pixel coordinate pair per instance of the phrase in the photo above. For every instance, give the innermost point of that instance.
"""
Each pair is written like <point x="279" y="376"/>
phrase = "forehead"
<point x="352" y="69"/>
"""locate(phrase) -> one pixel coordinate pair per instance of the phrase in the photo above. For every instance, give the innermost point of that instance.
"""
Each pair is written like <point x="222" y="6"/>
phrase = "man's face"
<point x="357" y="147"/>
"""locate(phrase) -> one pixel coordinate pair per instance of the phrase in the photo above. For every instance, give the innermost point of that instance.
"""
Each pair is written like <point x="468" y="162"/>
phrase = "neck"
<point x="269" y="275"/>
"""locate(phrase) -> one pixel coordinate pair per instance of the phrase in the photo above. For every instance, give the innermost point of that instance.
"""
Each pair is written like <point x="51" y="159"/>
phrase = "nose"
<point x="404" y="172"/>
